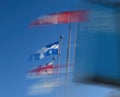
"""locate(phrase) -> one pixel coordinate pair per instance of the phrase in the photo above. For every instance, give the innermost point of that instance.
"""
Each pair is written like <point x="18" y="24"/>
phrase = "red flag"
<point x="63" y="17"/>
<point x="43" y="70"/>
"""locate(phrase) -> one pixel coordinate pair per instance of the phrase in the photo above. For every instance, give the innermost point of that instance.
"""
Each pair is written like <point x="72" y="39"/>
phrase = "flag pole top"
<point x="54" y="58"/>
<point x="61" y="36"/>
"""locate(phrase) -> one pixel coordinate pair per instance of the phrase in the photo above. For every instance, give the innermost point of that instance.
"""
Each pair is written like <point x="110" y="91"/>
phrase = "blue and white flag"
<point x="50" y="49"/>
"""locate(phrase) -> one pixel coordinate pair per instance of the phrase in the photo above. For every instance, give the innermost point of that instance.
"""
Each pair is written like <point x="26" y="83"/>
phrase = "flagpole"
<point x="59" y="52"/>
<point x="75" y="40"/>
<point x="68" y="49"/>
<point x="68" y="55"/>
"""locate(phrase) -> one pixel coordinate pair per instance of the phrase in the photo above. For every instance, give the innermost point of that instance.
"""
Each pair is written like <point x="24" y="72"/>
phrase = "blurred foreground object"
<point x="98" y="46"/>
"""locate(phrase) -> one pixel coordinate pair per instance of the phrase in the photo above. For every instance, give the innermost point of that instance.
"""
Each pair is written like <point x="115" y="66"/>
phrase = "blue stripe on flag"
<point x="50" y="49"/>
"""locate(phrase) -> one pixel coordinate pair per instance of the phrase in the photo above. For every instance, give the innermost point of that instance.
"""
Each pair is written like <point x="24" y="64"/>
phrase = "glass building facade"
<point x="98" y="45"/>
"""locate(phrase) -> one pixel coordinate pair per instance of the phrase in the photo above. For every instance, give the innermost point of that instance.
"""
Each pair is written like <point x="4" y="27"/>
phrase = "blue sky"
<point x="18" y="41"/>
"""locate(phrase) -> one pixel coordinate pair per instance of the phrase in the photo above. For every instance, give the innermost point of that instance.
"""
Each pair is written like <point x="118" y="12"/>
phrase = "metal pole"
<point x="68" y="51"/>
<point x="59" y="53"/>
<point x="75" y="40"/>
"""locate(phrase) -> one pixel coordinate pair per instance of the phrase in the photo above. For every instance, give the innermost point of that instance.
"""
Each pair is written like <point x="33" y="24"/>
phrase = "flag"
<point x="49" y="69"/>
<point x="41" y="70"/>
<point x="50" y="49"/>
<point x="62" y="17"/>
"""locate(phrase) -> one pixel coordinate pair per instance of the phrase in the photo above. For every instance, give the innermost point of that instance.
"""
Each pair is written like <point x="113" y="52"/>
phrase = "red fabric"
<point x="63" y="17"/>
<point x="72" y="16"/>
<point x="38" y="69"/>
